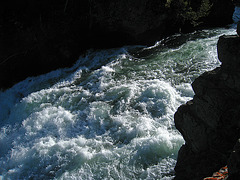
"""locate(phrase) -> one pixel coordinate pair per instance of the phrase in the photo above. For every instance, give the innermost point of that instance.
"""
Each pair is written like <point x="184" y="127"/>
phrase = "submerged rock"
<point x="210" y="122"/>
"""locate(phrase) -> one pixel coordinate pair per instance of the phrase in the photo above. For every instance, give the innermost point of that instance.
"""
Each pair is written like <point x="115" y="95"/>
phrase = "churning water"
<point x="110" y="116"/>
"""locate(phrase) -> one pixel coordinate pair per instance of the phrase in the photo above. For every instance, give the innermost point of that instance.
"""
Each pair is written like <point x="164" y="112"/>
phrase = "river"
<point x="110" y="116"/>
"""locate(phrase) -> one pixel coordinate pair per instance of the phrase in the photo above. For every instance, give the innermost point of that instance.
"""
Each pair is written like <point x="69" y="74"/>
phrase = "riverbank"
<point x="38" y="37"/>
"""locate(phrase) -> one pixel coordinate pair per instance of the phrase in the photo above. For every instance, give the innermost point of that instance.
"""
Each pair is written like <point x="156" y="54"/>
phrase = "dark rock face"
<point x="236" y="2"/>
<point x="210" y="122"/>
<point x="39" y="36"/>
<point x="234" y="162"/>
<point x="139" y="20"/>
<point x="219" y="14"/>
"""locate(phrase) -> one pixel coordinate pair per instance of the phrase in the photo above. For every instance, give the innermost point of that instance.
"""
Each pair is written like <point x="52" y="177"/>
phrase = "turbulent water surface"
<point x="110" y="116"/>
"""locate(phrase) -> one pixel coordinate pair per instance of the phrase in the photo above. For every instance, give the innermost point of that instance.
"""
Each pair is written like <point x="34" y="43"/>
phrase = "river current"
<point x="110" y="116"/>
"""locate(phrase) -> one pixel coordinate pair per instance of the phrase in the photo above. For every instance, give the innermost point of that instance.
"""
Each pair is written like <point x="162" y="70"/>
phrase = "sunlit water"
<point x="110" y="116"/>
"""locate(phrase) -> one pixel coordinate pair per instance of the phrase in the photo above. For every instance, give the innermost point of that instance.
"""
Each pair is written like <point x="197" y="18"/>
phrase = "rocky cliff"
<point x="210" y="123"/>
<point x="39" y="36"/>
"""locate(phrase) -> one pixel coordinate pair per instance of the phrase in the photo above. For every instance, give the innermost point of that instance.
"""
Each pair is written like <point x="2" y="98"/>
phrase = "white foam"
<point x="109" y="119"/>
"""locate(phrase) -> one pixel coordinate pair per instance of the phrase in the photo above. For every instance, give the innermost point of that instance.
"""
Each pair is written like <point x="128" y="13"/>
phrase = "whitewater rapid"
<point x="110" y="116"/>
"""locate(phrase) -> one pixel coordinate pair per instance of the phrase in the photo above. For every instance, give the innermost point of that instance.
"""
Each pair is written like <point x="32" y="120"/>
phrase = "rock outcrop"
<point x="210" y="123"/>
<point x="236" y="3"/>
<point x="39" y="36"/>
<point x="234" y="162"/>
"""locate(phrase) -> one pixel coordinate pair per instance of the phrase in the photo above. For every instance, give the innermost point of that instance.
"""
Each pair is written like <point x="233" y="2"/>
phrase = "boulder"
<point x="210" y="122"/>
<point x="228" y="52"/>
<point x="234" y="162"/>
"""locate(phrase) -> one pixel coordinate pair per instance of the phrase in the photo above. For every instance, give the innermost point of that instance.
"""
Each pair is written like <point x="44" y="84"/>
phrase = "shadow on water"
<point x="173" y="42"/>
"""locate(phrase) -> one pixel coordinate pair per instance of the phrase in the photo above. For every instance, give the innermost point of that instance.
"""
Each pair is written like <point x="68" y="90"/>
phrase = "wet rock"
<point x="210" y="122"/>
<point x="234" y="162"/>
<point x="228" y="52"/>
